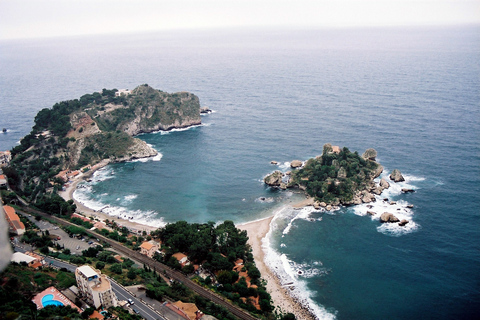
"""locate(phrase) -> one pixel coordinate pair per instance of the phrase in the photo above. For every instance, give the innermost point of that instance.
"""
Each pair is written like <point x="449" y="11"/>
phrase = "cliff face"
<point x="146" y="109"/>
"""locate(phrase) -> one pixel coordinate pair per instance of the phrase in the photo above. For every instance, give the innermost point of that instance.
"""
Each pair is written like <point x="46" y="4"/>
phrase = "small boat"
<point x="4" y="130"/>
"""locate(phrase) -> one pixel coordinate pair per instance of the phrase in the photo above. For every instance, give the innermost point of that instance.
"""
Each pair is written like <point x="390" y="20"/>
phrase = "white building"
<point x="95" y="287"/>
<point x="122" y="92"/>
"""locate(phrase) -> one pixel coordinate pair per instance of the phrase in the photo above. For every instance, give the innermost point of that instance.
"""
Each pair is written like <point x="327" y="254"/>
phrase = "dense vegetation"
<point x="217" y="248"/>
<point x="335" y="177"/>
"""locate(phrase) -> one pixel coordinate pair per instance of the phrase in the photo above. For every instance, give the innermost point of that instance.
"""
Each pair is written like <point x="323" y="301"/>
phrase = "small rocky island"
<point x="337" y="177"/>
<point x="76" y="134"/>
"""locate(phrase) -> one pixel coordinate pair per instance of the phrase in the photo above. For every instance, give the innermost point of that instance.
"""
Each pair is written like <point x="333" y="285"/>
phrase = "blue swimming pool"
<point x="48" y="301"/>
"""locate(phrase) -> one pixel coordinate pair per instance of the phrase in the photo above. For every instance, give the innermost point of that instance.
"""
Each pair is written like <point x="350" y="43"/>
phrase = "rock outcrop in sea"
<point x="396" y="176"/>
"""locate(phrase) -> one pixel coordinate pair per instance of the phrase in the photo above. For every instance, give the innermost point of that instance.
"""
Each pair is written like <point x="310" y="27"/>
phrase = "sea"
<point x="411" y="93"/>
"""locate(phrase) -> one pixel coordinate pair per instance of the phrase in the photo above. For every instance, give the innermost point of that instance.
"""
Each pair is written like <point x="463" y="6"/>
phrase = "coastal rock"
<point x="328" y="208"/>
<point x="368" y="197"/>
<point x="296" y="164"/>
<point x="384" y="183"/>
<point x="370" y="154"/>
<point x="274" y="179"/>
<point x="407" y="190"/>
<point x="274" y="162"/>
<point x="388" y="217"/>
<point x="403" y="223"/>
<point x="396" y="176"/>
<point x="410" y="206"/>
<point x="205" y="110"/>
<point x="283" y="186"/>
<point x="378" y="171"/>
<point x="288" y="173"/>
<point x="371" y="213"/>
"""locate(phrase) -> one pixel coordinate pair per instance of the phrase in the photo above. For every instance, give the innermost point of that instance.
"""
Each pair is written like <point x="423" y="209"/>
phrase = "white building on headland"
<point x="120" y="92"/>
<point x="95" y="287"/>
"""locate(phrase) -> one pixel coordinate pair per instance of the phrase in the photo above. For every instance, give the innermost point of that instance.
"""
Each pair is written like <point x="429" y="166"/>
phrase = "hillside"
<point x="100" y="126"/>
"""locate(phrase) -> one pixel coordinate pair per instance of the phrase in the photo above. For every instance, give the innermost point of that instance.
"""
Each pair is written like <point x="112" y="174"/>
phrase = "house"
<point x="73" y="174"/>
<point x="95" y="287"/>
<point x="32" y="260"/>
<point x="5" y="157"/>
<point x="52" y="297"/>
<point x="182" y="258"/>
<point x="79" y="216"/>
<point x="122" y="92"/>
<point x="3" y="181"/>
<point x="62" y="175"/>
<point x="188" y="311"/>
<point x="149" y="248"/>
<point x="14" y="224"/>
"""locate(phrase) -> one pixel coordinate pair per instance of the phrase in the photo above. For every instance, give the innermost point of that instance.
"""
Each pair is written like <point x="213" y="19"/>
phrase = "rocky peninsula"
<point x="75" y="135"/>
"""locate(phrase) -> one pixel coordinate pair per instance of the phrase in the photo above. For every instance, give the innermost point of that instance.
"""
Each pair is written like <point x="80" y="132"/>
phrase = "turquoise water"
<point x="48" y="300"/>
<point x="412" y="94"/>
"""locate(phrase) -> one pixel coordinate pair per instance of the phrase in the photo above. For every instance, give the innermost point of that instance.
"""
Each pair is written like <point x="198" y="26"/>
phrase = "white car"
<point x="130" y="301"/>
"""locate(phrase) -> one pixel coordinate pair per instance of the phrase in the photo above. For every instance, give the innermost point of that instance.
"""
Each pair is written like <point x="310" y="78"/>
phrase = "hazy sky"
<point x="46" y="18"/>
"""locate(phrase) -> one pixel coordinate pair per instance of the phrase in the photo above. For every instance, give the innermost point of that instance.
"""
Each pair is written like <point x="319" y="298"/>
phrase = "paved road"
<point x="160" y="267"/>
<point x="120" y="292"/>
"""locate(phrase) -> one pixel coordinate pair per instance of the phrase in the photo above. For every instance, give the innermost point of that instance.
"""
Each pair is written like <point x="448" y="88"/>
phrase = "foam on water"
<point x="399" y="208"/>
<point x="83" y="194"/>
<point x="293" y="275"/>
<point x="103" y="174"/>
<point x="158" y="157"/>
<point x="163" y="132"/>
<point x="303" y="214"/>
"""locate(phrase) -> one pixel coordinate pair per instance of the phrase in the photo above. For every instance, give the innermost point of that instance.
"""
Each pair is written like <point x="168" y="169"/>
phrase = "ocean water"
<point x="413" y="94"/>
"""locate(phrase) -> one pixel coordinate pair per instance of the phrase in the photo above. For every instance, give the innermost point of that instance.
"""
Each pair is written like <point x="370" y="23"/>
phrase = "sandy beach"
<point x="68" y="195"/>
<point x="257" y="230"/>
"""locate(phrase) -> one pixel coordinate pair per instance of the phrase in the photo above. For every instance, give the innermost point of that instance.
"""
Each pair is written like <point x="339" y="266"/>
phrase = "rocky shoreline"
<point x="365" y="195"/>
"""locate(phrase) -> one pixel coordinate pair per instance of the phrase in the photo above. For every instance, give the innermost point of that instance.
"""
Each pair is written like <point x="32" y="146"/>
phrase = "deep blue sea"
<point x="413" y="94"/>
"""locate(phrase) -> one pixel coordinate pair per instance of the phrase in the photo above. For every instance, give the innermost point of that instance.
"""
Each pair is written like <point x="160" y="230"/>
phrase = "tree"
<point x="100" y="265"/>
<point x="288" y="316"/>
<point x="116" y="268"/>
<point x="87" y="313"/>
<point x="188" y="269"/>
<point x="131" y="274"/>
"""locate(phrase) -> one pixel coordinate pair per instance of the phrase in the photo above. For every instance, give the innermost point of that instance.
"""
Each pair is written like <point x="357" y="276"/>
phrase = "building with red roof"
<point x="14" y="224"/>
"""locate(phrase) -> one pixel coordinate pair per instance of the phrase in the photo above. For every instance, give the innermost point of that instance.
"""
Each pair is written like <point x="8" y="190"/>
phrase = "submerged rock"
<point x="403" y="223"/>
<point x="407" y="190"/>
<point x="396" y="176"/>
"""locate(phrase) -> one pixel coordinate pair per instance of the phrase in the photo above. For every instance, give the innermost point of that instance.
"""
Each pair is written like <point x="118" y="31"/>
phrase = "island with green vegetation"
<point x="336" y="177"/>
<point x="99" y="127"/>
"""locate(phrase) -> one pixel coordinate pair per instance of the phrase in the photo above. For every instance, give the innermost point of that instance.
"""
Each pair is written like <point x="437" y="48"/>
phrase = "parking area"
<point x="75" y="245"/>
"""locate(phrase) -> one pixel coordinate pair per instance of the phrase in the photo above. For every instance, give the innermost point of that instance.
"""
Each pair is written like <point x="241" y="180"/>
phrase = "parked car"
<point x="135" y="310"/>
<point x="130" y="301"/>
